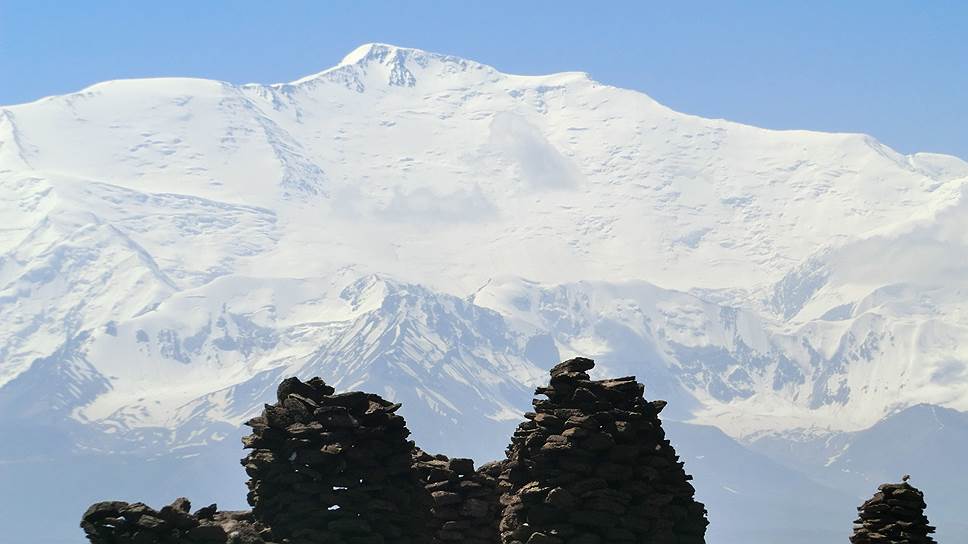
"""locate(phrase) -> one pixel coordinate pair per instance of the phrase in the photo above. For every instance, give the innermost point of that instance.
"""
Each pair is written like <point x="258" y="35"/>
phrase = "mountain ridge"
<point x="431" y="229"/>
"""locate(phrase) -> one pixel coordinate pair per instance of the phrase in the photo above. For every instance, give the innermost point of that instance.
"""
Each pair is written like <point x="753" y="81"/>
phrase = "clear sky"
<point x="895" y="69"/>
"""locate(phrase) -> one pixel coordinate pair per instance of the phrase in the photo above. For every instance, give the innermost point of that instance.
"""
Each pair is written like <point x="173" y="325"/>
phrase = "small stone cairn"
<point x="465" y="501"/>
<point x="116" y="522"/>
<point x="331" y="468"/>
<point x="894" y="515"/>
<point x="592" y="466"/>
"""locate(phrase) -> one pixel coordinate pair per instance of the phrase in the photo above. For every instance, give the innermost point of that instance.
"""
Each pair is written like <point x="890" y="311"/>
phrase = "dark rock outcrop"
<point x="894" y="515"/>
<point x="334" y="468"/>
<point x="592" y="466"/>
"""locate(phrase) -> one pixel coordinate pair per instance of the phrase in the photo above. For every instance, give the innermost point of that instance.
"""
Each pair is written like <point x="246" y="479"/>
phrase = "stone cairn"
<point x="592" y="466"/>
<point x="894" y="515"/>
<point x="117" y="522"/>
<point x="334" y="469"/>
<point x="465" y="501"/>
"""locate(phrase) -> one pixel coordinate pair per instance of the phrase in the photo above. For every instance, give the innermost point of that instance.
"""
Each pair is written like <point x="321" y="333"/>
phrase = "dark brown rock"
<point x="591" y="465"/>
<point x="330" y="468"/>
<point x="465" y="502"/>
<point x="894" y="515"/>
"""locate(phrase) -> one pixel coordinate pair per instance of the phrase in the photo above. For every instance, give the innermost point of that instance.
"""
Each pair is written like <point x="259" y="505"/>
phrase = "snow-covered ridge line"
<point x="169" y="243"/>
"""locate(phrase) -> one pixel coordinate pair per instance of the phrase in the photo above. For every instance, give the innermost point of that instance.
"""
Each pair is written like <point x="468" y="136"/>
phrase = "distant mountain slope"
<point x="923" y="441"/>
<point x="432" y="229"/>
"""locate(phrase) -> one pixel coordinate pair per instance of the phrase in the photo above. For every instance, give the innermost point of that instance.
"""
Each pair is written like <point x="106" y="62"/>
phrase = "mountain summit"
<point x="431" y="229"/>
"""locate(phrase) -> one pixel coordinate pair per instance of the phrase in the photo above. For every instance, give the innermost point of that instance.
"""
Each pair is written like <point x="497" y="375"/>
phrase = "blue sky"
<point x="895" y="69"/>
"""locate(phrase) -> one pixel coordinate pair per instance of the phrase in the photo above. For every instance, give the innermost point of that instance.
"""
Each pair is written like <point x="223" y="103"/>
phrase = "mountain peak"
<point x="394" y="65"/>
<point x="397" y="58"/>
<point x="377" y="52"/>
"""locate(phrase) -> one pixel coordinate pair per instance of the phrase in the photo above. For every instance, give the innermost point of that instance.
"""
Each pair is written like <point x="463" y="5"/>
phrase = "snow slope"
<point x="432" y="229"/>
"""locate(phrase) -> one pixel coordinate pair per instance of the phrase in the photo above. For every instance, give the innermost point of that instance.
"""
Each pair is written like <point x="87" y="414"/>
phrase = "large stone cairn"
<point x="592" y="466"/>
<point x="894" y="515"/>
<point x="117" y="522"/>
<point x="334" y="469"/>
<point x="465" y="501"/>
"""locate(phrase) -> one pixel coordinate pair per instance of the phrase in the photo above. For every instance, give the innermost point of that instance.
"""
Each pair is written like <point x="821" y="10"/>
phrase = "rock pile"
<point x="334" y="469"/>
<point x="894" y="515"/>
<point x="117" y="522"/>
<point x="592" y="466"/>
<point x="465" y="501"/>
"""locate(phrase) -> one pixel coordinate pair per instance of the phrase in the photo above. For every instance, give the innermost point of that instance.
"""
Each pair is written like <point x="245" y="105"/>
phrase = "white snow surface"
<point x="431" y="229"/>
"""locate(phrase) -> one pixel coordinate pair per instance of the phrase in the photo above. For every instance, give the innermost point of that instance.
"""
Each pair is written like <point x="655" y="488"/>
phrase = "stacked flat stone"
<point x="116" y="522"/>
<point x="464" y="505"/>
<point x="894" y="515"/>
<point x="592" y="466"/>
<point x="331" y="468"/>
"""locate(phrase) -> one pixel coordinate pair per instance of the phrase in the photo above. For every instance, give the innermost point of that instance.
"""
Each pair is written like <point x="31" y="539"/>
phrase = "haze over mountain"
<point x="430" y="229"/>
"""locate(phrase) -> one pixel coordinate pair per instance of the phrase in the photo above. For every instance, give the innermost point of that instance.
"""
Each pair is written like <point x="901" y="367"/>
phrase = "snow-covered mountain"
<point x="431" y="229"/>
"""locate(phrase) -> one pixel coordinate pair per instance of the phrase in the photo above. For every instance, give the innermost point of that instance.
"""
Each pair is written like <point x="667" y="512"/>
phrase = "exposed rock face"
<point x="465" y="501"/>
<point x="894" y="515"/>
<point x="117" y="522"/>
<point x="334" y="468"/>
<point x="592" y="466"/>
